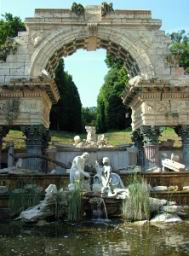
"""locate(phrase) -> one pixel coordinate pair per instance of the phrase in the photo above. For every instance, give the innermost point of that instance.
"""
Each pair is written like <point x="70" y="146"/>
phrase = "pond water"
<point x="94" y="240"/>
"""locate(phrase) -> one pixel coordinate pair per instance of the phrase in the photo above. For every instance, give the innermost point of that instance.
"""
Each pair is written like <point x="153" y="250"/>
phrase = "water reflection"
<point x="94" y="240"/>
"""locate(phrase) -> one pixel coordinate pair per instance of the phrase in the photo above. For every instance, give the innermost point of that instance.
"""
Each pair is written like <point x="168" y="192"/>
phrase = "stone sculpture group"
<point x="105" y="181"/>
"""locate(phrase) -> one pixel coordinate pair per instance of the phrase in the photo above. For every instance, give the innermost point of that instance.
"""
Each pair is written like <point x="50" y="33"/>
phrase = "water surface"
<point x="94" y="240"/>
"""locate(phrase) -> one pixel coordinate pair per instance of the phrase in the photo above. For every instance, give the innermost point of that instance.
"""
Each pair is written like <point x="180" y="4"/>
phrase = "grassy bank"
<point x="113" y="137"/>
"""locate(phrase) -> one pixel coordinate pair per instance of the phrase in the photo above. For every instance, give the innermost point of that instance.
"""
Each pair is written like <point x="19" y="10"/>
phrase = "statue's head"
<point x="85" y="155"/>
<point x="106" y="161"/>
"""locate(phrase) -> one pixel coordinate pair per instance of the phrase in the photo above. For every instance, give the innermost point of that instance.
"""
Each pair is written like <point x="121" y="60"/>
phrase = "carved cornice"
<point x="154" y="90"/>
<point x="31" y="88"/>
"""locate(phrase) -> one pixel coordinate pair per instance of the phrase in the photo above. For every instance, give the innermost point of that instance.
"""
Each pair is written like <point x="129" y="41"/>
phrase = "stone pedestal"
<point x="152" y="158"/>
<point x="3" y="133"/>
<point x="183" y="132"/>
<point x="37" y="138"/>
<point x="151" y="146"/>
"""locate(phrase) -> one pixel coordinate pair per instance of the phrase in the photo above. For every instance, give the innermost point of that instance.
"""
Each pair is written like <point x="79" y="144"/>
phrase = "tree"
<point x="89" y="116"/>
<point x="9" y="27"/>
<point x="66" y="114"/>
<point x="180" y="48"/>
<point x="110" y="109"/>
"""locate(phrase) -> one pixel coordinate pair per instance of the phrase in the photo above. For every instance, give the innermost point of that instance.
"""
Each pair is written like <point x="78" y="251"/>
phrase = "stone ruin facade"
<point x="27" y="88"/>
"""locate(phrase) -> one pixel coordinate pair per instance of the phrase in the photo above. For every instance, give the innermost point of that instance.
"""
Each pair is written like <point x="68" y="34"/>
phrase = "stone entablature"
<point x="159" y="103"/>
<point x="26" y="103"/>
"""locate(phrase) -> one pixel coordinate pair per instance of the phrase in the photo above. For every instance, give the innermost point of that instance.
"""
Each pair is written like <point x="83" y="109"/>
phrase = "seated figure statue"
<point x="77" y="172"/>
<point x="105" y="181"/>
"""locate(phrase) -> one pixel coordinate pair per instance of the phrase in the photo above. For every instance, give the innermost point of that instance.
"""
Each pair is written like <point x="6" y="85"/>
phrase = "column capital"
<point x="151" y="135"/>
<point x="183" y="132"/>
<point x="36" y="135"/>
<point x="137" y="137"/>
<point x="3" y="132"/>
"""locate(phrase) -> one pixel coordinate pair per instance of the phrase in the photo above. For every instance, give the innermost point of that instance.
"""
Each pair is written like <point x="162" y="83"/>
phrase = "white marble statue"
<point x="107" y="182"/>
<point x="91" y="134"/>
<point x="134" y="81"/>
<point x="77" y="172"/>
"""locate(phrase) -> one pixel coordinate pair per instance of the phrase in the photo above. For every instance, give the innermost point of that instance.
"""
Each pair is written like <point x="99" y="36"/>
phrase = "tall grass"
<point x="137" y="205"/>
<point x="74" y="205"/>
<point x="23" y="198"/>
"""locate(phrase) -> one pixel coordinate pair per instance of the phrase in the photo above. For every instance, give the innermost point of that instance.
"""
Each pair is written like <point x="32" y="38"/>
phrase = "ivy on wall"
<point x="12" y="110"/>
<point x="10" y="46"/>
<point x="106" y="8"/>
<point x="78" y="9"/>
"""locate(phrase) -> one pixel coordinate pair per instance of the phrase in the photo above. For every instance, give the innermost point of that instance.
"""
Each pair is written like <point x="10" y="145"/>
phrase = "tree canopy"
<point x="66" y="114"/>
<point x="89" y="116"/>
<point x="180" y="48"/>
<point x="9" y="27"/>
<point x="111" y="112"/>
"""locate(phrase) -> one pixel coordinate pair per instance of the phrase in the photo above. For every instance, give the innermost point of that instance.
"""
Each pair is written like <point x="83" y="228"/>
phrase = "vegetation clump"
<point x="78" y="9"/>
<point x="74" y="204"/>
<point x="23" y="198"/>
<point x="106" y="8"/>
<point x="137" y="205"/>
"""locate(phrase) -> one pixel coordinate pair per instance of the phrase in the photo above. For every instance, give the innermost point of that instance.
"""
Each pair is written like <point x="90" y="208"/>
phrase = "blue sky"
<point x="88" y="68"/>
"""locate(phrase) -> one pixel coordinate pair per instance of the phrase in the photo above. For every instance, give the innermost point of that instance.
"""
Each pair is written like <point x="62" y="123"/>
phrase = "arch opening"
<point x="90" y="44"/>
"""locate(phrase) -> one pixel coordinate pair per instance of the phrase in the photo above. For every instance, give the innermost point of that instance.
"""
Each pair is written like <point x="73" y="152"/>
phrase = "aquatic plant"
<point x="137" y="205"/>
<point x="22" y="198"/>
<point x="61" y="203"/>
<point x="74" y="204"/>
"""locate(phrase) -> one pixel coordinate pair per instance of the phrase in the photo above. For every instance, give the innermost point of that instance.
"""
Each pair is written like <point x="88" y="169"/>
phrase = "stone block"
<point x="173" y="166"/>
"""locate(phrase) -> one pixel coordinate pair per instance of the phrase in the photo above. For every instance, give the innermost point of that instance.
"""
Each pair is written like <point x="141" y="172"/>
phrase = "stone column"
<point x="37" y="138"/>
<point x="151" y="146"/>
<point x="3" y="133"/>
<point x="137" y="138"/>
<point x="183" y="132"/>
<point x="10" y="158"/>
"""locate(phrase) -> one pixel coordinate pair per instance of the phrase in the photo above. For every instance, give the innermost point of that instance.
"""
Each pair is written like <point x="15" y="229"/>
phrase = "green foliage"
<point x="78" y="9"/>
<point x="12" y="110"/>
<point x="74" y="205"/>
<point x="10" y="46"/>
<point x="106" y="8"/>
<point x="66" y="114"/>
<point x="110" y="109"/>
<point x="9" y="27"/>
<point x="23" y="198"/>
<point x="113" y="62"/>
<point x="137" y="206"/>
<point x="180" y="48"/>
<point x="89" y="116"/>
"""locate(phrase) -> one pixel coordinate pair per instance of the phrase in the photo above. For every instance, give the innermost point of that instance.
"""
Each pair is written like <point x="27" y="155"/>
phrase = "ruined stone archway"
<point x="132" y="35"/>
<point x="61" y="44"/>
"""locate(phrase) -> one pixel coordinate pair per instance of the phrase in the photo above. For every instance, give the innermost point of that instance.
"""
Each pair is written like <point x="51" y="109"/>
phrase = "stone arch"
<point x="66" y="42"/>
